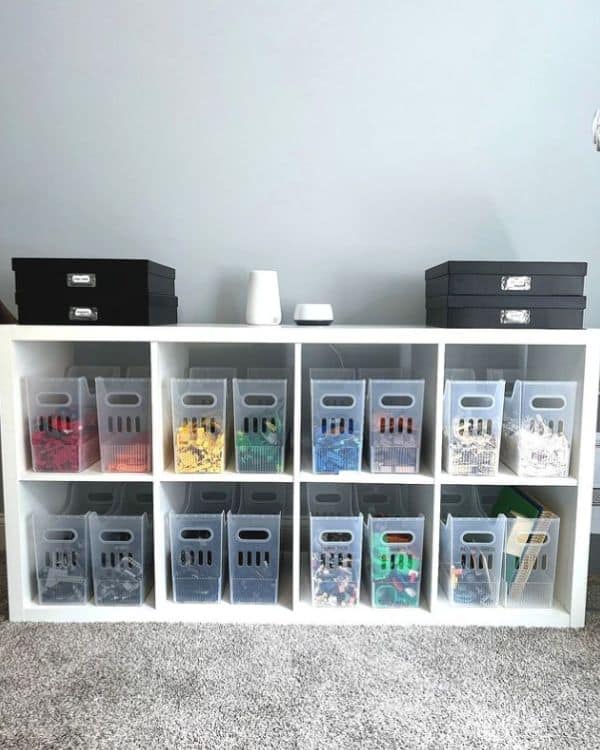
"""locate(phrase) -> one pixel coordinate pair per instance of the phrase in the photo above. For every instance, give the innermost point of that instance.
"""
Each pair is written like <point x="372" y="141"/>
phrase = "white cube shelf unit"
<point x="423" y="353"/>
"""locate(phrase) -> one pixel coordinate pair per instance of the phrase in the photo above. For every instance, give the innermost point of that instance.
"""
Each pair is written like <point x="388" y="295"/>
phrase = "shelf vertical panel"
<point x="437" y="473"/>
<point x="296" y="463"/>
<point x="585" y="474"/>
<point x="12" y="457"/>
<point x="158" y="535"/>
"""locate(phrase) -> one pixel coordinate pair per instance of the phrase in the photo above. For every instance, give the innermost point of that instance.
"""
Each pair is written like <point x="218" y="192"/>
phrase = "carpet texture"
<point x="212" y="686"/>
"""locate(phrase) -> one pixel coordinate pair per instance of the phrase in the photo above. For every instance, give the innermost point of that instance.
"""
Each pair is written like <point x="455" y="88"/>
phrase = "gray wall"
<point x="348" y="144"/>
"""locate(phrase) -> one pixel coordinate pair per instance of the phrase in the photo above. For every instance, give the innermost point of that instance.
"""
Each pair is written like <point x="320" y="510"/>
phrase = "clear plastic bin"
<point x="199" y="425"/>
<point x="471" y="559"/>
<point x="338" y="407"/>
<point x="254" y="552"/>
<point x="124" y="418"/>
<point x="122" y="550"/>
<point x="61" y="544"/>
<point x="91" y="372"/>
<point x="395" y="409"/>
<point x="260" y="425"/>
<point x="393" y="542"/>
<point x="198" y="543"/>
<point x="137" y="371"/>
<point x="530" y="561"/>
<point x="63" y="426"/>
<point x="472" y="426"/>
<point x="265" y="498"/>
<point x="462" y="501"/>
<point x="537" y="431"/>
<point x="335" y="545"/>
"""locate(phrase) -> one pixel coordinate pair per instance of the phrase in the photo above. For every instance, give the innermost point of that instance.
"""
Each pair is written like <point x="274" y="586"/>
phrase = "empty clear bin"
<point x="122" y="551"/>
<point x="338" y="407"/>
<point x="254" y="552"/>
<point x="471" y="559"/>
<point x="530" y="561"/>
<point x="537" y="431"/>
<point x="63" y="426"/>
<point x="198" y="543"/>
<point x="393" y="546"/>
<point x="335" y="545"/>
<point x="395" y="409"/>
<point x="124" y="418"/>
<point x="91" y="372"/>
<point x="472" y="426"/>
<point x="199" y="426"/>
<point x="260" y="425"/>
<point x="61" y="544"/>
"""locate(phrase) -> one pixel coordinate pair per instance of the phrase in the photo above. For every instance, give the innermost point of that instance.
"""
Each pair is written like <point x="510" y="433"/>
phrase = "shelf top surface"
<point x="291" y="334"/>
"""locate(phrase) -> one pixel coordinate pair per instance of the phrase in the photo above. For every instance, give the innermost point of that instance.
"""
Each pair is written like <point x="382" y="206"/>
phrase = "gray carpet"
<point x="187" y="686"/>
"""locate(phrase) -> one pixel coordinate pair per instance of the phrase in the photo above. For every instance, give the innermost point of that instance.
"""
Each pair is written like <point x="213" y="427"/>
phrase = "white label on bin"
<point x="83" y="313"/>
<point x="515" y="283"/>
<point x="515" y="317"/>
<point x="81" y="279"/>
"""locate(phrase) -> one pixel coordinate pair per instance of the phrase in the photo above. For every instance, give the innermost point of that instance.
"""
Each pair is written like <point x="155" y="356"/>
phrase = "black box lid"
<point x="93" y="265"/>
<point x="508" y="267"/>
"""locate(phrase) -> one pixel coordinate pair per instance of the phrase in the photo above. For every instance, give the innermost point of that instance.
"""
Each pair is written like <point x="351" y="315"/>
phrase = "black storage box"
<point x="505" y="278"/>
<point x="487" y="311"/>
<point x="107" y="278"/>
<point x="63" y="291"/>
<point x="147" y="310"/>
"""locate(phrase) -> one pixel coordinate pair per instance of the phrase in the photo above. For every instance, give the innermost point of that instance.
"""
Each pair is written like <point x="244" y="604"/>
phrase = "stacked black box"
<point x="59" y="291"/>
<point x="508" y="294"/>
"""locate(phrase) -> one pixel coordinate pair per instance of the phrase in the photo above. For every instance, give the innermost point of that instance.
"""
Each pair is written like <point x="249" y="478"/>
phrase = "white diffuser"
<point x="263" y="307"/>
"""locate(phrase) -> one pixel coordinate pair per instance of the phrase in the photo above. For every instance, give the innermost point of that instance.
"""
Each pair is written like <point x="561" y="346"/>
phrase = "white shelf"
<point x="507" y="476"/>
<point x="93" y="474"/>
<point x="229" y="475"/>
<point x="501" y="617"/>
<point x="28" y="350"/>
<point x="366" y="477"/>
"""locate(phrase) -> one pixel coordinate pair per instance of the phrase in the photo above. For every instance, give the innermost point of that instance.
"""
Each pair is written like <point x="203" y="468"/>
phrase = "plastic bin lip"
<point x="389" y="519"/>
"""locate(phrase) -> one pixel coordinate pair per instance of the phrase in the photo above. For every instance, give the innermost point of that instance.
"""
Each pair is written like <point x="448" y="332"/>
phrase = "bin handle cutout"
<point x="253" y="535"/>
<point x="60" y="535"/>
<point x="264" y="496"/>
<point x="548" y="402"/>
<point x="337" y="401"/>
<point x="478" y="537"/>
<point x="199" y="535"/>
<point x="259" y="399"/>
<point x="328" y="497"/>
<point x="115" y="536"/>
<point x="452" y="499"/>
<point x="476" y="401"/>
<point x="396" y="400"/>
<point x="49" y="398"/>
<point x="214" y="495"/>
<point x="123" y="399"/>
<point x="336" y="537"/>
<point x="198" y="399"/>
<point x="398" y="537"/>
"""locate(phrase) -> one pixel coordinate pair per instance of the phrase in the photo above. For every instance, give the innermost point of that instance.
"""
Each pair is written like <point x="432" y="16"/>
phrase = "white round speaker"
<point x="313" y="314"/>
